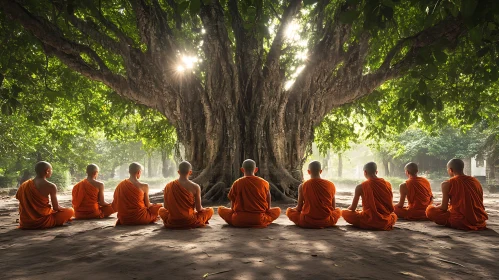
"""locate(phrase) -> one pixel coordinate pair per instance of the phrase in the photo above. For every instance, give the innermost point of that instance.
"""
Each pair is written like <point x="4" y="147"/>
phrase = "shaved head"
<point x="411" y="168"/>
<point x="184" y="167"/>
<point x="249" y="165"/>
<point x="371" y="168"/>
<point x="134" y="168"/>
<point x="456" y="165"/>
<point x="41" y="168"/>
<point x="91" y="169"/>
<point x="314" y="167"/>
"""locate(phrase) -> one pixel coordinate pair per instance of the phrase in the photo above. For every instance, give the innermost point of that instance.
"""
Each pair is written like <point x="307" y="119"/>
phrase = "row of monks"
<point x="461" y="207"/>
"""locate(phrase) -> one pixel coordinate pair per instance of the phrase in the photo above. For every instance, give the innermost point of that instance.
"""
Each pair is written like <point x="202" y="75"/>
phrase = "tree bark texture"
<point x="239" y="109"/>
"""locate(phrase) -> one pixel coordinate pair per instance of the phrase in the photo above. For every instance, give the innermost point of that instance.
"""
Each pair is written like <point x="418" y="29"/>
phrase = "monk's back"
<point x="318" y="198"/>
<point x="127" y="196"/>
<point x="43" y="186"/>
<point x="179" y="200"/>
<point x="377" y="197"/>
<point x="466" y="199"/>
<point x="419" y="194"/>
<point x="249" y="194"/>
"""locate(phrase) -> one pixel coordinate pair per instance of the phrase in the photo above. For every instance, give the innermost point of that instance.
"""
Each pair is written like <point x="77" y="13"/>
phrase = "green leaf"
<point x="468" y="7"/>
<point x="349" y="17"/>
<point x="309" y="2"/>
<point x="422" y="86"/>
<point x="440" y="56"/>
<point x="194" y="7"/>
<point x="482" y="52"/>
<point x="388" y="3"/>
<point x="182" y="7"/>
<point x="432" y="70"/>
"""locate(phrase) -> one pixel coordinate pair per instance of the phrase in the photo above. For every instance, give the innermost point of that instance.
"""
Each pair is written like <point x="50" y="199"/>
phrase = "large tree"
<point x="251" y="96"/>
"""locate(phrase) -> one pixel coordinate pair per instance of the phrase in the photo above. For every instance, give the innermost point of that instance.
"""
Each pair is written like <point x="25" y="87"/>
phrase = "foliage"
<point x="433" y="63"/>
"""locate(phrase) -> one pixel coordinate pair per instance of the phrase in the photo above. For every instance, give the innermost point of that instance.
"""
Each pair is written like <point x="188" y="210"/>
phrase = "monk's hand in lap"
<point x="350" y="208"/>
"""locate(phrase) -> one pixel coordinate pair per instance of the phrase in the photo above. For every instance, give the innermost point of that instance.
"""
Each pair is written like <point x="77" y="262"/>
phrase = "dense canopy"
<point x="252" y="79"/>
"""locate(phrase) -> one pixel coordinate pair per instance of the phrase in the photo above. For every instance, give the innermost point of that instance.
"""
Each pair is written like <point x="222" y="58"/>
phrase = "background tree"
<point x="269" y="71"/>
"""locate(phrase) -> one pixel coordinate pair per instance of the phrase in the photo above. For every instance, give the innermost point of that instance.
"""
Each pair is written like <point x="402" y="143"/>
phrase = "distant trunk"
<point x="340" y="165"/>
<point x="467" y="166"/>
<point x="150" y="172"/>
<point x="491" y="168"/>
<point x="164" y="163"/>
<point x="386" y="167"/>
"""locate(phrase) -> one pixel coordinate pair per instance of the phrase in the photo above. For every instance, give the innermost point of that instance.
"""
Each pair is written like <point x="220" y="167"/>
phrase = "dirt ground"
<point x="96" y="249"/>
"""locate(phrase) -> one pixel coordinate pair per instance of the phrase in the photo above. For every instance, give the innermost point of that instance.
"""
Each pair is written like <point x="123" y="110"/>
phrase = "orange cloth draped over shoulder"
<point x="377" y="206"/>
<point x="419" y="196"/>
<point x="35" y="211"/>
<point x="466" y="210"/>
<point x="249" y="204"/>
<point x="179" y="212"/>
<point x="85" y="202"/>
<point x="317" y="211"/>
<point x="129" y="202"/>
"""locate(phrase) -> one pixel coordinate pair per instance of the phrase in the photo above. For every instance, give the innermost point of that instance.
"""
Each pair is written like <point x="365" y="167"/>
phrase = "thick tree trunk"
<point x="238" y="108"/>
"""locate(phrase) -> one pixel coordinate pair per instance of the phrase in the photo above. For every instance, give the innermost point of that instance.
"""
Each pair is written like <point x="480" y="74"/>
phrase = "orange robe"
<point x="179" y="209"/>
<point x="317" y="211"/>
<point x="419" y="196"/>
<point x="249" y="204"/>
<point x="35" y="211"/>
<point x="85" y="202"/>
<point x="466" y="210"/>
<point x="129" y="202"/>
<point x="377" y="207"/>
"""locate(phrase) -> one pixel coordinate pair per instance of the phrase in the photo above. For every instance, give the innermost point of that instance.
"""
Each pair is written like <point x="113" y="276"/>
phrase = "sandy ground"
<point x="96" y="249"/>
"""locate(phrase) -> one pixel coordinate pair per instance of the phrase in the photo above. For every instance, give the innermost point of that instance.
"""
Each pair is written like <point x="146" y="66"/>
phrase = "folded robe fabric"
<point x="466" y="210"/>
<point x="129" y="202"/>
<point x="85" y="202"/>
<point x="178" y="211"/>
<point x="377" y="206"/>
<point x="419" y="196"/>
<point x="35" y="211"/>
<point x="317" y="211"/>
<point x="249" y="204"/>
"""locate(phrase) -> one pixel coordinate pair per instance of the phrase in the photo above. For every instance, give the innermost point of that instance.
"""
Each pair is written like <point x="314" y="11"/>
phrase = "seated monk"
<point x="131" y="200"/>
<point x="183" y="208"/>
<point x="34" y="208"/>
<point x="250" y="200"/>
<point x="462" y="201"/>
<point x="316" y="202"/>
<point x="88" y="197"/>
<point x="377" y="202"/>
<point x="418" y="193"/>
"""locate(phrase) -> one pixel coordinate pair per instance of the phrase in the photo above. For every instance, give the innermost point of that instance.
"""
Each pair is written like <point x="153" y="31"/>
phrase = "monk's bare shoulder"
<point x="144" y="186"/>
<point x="403" y="185"/>
<point x="358" y="189"/>
<point x="445" y="184"/>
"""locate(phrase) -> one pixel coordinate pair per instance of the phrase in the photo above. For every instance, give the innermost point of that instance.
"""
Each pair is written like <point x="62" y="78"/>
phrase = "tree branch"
<point x="48" y="33"/>
<point x="272" y="62"/>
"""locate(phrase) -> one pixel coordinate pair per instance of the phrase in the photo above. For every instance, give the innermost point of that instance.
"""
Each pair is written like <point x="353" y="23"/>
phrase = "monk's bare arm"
<point x="197" y="198"/>
<point x="356" y="197"/>
<point x="300" y="198"/>
<point x="445" y="196"/>
<point x="102" y="202"/>
<point x="269" y="198"/>
<point x="334" y="202"/>
<point x="53" y="197"/>
<point x="403" y="195"/>
<point x="145" y="189"/>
